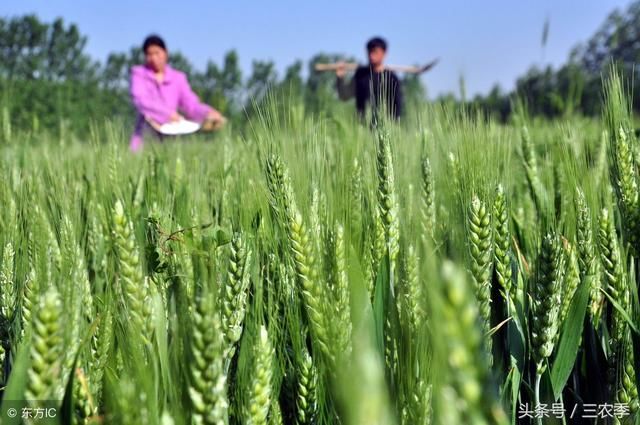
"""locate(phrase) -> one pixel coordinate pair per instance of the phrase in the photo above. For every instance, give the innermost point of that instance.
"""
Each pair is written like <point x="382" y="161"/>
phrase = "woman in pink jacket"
<point x="162" y="94"/>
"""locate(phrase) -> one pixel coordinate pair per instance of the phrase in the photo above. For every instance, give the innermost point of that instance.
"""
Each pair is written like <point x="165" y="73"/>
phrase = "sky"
<point x="486" y="42"/>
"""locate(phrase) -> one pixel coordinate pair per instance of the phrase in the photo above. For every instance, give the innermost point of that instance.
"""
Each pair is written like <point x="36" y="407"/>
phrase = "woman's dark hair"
<point x="153" y="40"/>
<point x="376" y="42"/>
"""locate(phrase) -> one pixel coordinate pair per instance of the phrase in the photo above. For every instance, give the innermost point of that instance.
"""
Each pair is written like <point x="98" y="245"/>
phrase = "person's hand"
<point x="341" y="70"/>
<point x="155" y="125"/>
<point x="214" y="115"/>
<point x="214" y="121"/>
<point x="175" y="117"/>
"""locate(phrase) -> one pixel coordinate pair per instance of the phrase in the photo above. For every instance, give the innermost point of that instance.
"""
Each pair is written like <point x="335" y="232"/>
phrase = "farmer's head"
<point x="155" y="52"/>
<point x="377" y="49"/>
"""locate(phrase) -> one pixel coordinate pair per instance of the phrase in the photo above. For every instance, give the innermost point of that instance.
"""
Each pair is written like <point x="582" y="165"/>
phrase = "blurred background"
<point x="67" y="61"/>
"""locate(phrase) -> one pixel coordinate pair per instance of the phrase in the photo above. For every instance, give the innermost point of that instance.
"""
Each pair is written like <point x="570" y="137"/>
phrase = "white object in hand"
<point x="179" y="127"/>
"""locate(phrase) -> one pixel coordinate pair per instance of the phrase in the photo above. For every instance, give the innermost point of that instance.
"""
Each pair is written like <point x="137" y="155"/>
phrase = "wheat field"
<point x="449" y="270"/>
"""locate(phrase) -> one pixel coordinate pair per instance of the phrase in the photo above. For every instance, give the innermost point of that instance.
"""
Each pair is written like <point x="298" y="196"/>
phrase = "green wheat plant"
<point x="314" y="270"/>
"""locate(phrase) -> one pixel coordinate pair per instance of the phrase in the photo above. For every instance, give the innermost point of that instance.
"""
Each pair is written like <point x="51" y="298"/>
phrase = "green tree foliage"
<point x="46" y="78"/>
<point x="577" y="85"/>
<point x="293" y="76"/>
<point x="221" y="87"/>
<point x="263" y="76"/>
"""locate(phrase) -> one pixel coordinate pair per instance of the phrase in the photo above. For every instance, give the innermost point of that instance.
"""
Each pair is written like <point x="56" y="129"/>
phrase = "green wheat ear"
<point x="378" y="245"/>
<point x="467" y="360"/>
<point x="341" y="317"/>
<point x="28" y="300"/>
<point x="101" y="345"/>
<point x="587" y="257"/>
<point x="419" y="409"/>
<point x="545" y="308"/>
<point x="312" y="292"/>
<point x="531" y="171"/>
<point x="387" y="198"/>
<point x="207" y="388"/>
<point x="621" y="378"/>
<point x="623" y="168"/>
<point x="303" y="252"/>
<point x="306" y="397"/>
<point x="613" y="276"/>
<point x="356" y="197"/>
<point x="627" y="391"/>
<point x="259" y="392"/>
<point x="412" y="295"/>
<point x="275" y="414"/>
<point x="46" y="350"/>
<point x="133" y="288"/>
<point x="84" y="405"/>
<point x="502" y="246"/>
<point x="456" y="171"/>
<point x="480" y="239"/>
<point x="7" y="283"/>
<point x="428" y="199"/>
<point x="367" y="264"/>
<point x="7" y="302"/>
<point x="234" y="291"/>
<point x="625" y="182"/>
<point x="281" y="194"/>
<point x="571" y="280"/>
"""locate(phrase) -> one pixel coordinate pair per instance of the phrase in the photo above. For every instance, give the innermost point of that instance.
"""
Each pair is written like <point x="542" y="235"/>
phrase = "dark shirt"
<point x="369" y="86"/>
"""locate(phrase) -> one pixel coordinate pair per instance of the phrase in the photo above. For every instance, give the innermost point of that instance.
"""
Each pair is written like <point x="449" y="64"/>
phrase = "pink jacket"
<point x="157" y="101"/>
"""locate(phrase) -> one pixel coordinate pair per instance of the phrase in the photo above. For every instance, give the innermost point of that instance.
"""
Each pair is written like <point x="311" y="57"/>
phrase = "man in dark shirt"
<point x="372" y="83"/>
